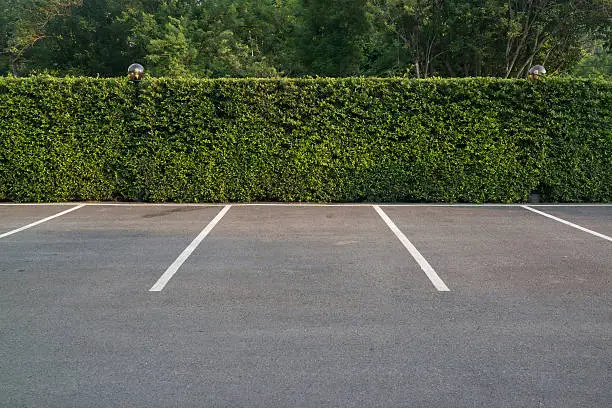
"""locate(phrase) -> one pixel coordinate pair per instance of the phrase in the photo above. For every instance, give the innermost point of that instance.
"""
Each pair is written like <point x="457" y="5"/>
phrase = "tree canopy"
<point x="246" y="38"/>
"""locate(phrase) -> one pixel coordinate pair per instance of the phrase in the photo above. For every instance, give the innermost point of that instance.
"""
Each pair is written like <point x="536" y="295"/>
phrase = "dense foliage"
<point x="188" y="140"/>
<point x="264" y="38"/>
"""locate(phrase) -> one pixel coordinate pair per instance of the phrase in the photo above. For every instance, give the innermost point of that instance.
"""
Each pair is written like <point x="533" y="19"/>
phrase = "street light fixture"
<point x="135" y="72"/>
<point x="535" y="72"/>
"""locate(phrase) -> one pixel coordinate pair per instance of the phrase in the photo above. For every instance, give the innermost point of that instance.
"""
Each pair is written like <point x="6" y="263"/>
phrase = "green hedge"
<point x="357" y="139"/>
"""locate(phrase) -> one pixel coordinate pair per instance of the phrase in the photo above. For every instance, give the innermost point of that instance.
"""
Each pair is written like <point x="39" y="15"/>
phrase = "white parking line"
<point x="425" y="266"/>
<point x="163" y="280"/>
<point x="597" y="234"/>
<point x="305" y="204"/>
<point x="25" y="227"/>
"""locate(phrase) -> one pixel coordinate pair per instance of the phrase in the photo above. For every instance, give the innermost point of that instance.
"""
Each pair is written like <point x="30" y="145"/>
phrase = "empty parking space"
<point x="293" y="252"/>
<point x="70" y="309"/>
<point x="305" y="305"/>
<point x="109" y="246"/>
<point x="531" y="300"/>
<point x="507" y="249"/>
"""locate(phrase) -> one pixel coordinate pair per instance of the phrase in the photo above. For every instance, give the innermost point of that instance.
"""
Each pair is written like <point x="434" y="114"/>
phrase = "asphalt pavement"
<point x="305" y="305"/>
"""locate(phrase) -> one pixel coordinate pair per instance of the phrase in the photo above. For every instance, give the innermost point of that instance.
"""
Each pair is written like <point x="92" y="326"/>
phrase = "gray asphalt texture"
<point x="309" y="306"/>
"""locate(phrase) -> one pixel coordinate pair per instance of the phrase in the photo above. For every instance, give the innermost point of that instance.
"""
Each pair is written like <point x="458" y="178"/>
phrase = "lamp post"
<point x="534" y="74"/>
<point x="135" y="75"/>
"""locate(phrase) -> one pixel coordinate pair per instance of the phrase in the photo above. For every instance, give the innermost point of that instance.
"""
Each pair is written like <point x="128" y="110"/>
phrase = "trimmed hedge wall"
<point x="448" y="140"/>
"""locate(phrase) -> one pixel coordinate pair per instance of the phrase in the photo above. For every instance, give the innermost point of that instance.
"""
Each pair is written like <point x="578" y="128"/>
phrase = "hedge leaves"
<point x="358" y="139"/>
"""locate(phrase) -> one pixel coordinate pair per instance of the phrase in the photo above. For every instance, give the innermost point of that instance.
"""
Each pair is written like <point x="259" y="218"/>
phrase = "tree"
<point x="471" y="44"/>
<point x="595" y="64"/>
<point x="553" y="30"/>
<point x="25" y="23"/>
<point x="204" y="38"/>
<point x="415" y="24"/>
<point x="329" y="36"/>
<point x="489" y="37"/>
<point x="216" y="38"/>
<point x="92" y="39"/>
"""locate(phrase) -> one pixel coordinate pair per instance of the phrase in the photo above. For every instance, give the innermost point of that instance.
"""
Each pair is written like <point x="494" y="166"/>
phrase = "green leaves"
<point x="358" y="139"/>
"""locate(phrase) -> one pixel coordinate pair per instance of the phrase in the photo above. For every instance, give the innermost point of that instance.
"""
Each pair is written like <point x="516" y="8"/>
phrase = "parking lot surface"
<point x="305" y="305"/>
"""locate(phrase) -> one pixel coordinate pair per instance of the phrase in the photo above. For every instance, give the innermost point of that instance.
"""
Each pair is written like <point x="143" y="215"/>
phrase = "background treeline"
<point x="337" y="38"/>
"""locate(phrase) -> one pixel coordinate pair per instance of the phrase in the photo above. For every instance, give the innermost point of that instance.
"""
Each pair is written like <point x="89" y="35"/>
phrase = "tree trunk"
<point x="449" y="68"/>
<point x="14" y="65"/>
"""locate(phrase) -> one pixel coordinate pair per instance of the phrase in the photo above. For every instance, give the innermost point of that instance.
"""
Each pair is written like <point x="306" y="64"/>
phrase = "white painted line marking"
<point x="25" y="227"/>
<point x="597" y="234"/>
<point x="425" y="266"/>
<point x="163" y="280"/>
<point x="440" y="205"/>
<point x="39" y="204"/>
